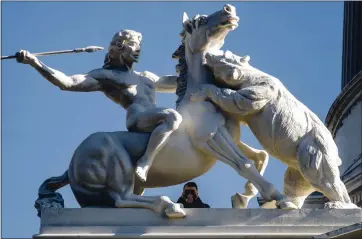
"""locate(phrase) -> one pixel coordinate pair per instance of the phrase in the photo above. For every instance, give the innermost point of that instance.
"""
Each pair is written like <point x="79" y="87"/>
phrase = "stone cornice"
<point x="345" y="101"/>
<point x="128" y="223"/>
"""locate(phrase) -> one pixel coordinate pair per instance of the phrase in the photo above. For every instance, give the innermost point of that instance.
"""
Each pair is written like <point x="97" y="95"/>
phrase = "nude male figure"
<point x="134" y="91"/>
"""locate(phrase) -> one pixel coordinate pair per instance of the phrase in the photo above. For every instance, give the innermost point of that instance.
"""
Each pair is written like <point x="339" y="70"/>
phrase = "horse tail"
<point x="47" y="195"/>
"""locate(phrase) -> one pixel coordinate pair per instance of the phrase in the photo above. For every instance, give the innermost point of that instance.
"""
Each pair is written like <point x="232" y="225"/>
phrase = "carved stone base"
<point x="199" y="223"/>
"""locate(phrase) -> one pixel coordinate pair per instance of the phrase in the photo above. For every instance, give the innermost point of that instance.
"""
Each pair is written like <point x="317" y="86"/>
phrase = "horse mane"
<point x="181" y="69"/>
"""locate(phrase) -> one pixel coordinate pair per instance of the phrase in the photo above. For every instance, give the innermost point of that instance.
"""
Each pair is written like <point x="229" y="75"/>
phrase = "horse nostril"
<point x="227" y="8"/>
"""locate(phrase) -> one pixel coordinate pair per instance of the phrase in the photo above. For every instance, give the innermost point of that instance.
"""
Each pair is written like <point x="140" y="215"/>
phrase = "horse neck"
<point x="192" y="73"/>
<point x="197" y="73"/>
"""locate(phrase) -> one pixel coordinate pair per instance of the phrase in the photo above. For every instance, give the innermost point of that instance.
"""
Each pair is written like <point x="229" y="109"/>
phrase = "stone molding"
<point x="199" y="223"/>
<point x="344" y="103"/>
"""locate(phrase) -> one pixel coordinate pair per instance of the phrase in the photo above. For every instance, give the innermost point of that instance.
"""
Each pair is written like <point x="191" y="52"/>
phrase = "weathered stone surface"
<point x="199" y="223"/>
<point x="351" y="232"/>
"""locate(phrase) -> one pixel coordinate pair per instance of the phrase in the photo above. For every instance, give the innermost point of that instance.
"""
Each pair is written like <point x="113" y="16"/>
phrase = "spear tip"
<point x="93" y="48"/>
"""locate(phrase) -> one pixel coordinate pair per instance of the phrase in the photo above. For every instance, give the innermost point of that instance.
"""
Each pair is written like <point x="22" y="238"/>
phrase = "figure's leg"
<point x="223" y="148"/>
<point x="318" y="164"/>
<point x="261" y="159"/>
<point x="167" y="121"/>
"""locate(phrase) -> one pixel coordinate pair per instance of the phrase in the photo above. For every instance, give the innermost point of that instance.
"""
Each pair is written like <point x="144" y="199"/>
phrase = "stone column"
<point x="352" y="41"/>
<point x="344" y="118"/>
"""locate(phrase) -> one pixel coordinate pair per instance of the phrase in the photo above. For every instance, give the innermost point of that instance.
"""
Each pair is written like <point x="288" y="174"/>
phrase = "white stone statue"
<point x="133" y="90"/>
<point x="284" y="126"/>
<point x="102" y="169"/>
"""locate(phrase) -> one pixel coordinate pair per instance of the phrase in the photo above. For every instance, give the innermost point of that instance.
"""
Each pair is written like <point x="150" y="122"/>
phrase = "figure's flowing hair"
<point x="181" y="68"/>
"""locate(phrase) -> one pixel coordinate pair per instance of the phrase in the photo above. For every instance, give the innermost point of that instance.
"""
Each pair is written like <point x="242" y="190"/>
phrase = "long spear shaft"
<point x="77" y="50"/>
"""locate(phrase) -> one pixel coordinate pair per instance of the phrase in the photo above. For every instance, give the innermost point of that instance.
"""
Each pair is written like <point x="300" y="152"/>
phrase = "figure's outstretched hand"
<point x="25" y="57"/>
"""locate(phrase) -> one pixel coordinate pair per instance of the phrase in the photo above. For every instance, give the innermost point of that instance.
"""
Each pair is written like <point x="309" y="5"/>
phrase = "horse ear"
<point x="186" y="23"/>
<point x="185" y="17"/>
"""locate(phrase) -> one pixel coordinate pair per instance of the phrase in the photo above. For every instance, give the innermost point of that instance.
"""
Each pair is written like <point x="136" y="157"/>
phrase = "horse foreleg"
<point x="222" y="147"/>
<point x="261" y="159"/>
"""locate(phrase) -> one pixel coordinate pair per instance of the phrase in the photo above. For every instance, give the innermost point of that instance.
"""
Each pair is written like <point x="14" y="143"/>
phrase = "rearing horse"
<point x="101" y="172"/>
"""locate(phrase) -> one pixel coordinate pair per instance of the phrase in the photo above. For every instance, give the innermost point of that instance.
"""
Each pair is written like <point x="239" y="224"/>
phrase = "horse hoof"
<point x="287" y="205"/>
<point x="175" y="211"/>
<point x="269" y="205"/>
<point x="141" y="174"/>
<point x="340" y="205"/>
<point x="239" y="201"/>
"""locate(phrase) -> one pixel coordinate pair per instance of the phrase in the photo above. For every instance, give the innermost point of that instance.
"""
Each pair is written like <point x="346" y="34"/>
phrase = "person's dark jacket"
<point x="195" y="204"/>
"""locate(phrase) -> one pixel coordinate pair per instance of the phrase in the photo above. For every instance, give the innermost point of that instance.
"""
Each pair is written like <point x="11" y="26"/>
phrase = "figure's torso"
<point x="132" y="88"/>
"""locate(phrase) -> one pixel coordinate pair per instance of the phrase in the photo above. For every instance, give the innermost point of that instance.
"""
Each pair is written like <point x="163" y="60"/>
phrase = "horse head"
<point x="201" y="34"/>
<point x="207" y="33"/>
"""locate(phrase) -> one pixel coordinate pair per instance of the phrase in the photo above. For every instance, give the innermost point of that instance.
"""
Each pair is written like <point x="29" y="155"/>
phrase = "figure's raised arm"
<point x="166" y="84"/>
<point x="79" y="82"/>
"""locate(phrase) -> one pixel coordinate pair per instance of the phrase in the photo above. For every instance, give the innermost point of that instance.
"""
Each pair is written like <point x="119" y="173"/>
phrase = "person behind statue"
<point x="190" y="197"/>
<point x="134" y="91"/>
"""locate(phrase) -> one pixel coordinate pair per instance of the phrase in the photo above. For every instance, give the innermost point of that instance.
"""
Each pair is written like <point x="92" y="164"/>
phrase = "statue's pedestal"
<point x="199" y="223"/>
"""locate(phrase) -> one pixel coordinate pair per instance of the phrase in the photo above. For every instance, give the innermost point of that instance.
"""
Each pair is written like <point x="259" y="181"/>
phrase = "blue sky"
<point x="300" y="43"/>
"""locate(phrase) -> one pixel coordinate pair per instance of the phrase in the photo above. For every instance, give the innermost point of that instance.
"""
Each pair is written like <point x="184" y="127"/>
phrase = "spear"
<point x="77" y="50"/>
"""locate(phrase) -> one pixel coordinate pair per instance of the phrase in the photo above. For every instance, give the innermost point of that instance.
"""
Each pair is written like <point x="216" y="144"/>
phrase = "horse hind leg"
<point x="222" y="147"/>
<point x="122" y="189"/>
<point x="138" y="190"/>
<point x="158" y="204"/>
<point x="318" y="163"/>
<point x="261" y="159"/>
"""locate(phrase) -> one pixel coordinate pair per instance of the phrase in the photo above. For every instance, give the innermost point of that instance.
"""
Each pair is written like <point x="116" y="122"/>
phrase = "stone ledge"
<point x="199" y="223"/>
<point x="350" y="232"/>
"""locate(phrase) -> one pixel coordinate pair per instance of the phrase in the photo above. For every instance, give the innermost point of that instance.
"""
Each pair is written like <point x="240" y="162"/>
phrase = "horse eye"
<point x="203" y="20"/>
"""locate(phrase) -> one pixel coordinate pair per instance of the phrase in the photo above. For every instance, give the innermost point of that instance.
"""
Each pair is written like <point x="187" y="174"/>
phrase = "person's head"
<point x="124" y="49"/>
<point x="190" y="192"/>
